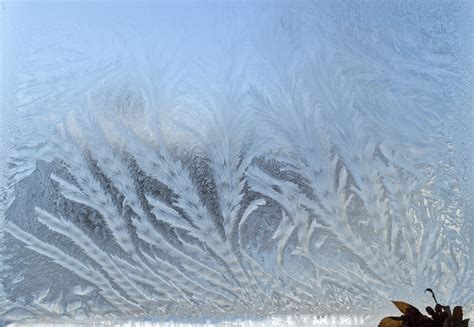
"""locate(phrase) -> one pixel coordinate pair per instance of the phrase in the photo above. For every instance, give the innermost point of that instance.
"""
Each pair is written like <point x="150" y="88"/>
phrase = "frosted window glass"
<point x="208" y="161"/>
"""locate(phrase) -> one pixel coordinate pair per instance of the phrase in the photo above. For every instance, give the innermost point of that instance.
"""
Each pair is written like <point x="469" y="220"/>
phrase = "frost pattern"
<point x="316" y="177"/>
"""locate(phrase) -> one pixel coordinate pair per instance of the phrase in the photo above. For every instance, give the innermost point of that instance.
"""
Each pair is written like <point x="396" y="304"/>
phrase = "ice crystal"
<point x="305" y="159"/>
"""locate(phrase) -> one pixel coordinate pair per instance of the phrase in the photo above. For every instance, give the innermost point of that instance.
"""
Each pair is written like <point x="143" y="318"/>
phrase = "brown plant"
<point x="441" y="316"/>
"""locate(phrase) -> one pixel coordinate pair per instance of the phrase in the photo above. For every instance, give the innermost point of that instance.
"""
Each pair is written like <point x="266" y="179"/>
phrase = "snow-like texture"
<point x="286" y="158"/>
<point x="273" y="321"/>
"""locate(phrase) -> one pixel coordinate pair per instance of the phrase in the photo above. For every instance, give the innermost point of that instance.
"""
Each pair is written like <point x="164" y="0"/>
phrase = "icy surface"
<point x="275" y="321"/>
<point x="233" y="159"/>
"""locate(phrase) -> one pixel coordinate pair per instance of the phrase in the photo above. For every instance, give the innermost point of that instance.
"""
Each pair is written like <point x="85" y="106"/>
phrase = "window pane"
<point x="171" y="161"/>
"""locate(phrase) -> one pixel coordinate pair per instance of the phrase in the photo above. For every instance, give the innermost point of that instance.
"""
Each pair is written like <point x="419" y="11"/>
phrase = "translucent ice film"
<point x="255" y="161"/>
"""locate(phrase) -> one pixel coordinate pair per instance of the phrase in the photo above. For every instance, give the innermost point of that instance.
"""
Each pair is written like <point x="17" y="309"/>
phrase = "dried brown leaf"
<point x="391" y="322"/>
